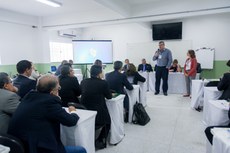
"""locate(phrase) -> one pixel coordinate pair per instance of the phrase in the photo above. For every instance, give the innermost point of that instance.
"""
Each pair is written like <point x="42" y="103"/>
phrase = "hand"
<point x="156" y="53"/>
<point x="186" y="74"/>
<point x="71" y="108"/>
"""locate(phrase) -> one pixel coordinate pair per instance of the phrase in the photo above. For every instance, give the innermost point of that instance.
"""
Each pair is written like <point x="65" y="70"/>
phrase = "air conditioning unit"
<point x="67" y="33"/>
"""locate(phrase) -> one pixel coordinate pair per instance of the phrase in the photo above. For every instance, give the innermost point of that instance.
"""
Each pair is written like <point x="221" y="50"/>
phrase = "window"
<point x="60" y="51"/>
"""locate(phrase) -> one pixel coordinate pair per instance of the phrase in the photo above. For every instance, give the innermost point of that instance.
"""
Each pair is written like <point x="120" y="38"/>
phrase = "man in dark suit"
<point x="23" y="82"/>
<point x="37" y="120"/>
<point x="126" y="66"/>
<point x="224" y="85"/>
<point x="144" y="66"/>
<point x="117" y="81"/>
<point x="8" y="102"/>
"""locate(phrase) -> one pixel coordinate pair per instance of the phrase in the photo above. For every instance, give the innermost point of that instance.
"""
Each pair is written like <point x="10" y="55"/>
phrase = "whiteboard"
<point x="205" y="56"/>
<point x="138" y="51"/>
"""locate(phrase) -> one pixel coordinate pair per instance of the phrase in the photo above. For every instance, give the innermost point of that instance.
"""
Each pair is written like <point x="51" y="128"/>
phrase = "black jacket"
<point x="136" y="77"/>
<point x="94" y="92"/>
<point x="24" y="85"/>
<point x="117" y="81"/>
<point x="70" y="89"/>
<point x="224" y="85"/>
<point x="148" y="67"/>
<point x="37" y="123"/>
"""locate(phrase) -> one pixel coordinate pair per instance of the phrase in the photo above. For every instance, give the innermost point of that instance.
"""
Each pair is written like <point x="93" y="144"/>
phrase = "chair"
<point x="13" y="143"/>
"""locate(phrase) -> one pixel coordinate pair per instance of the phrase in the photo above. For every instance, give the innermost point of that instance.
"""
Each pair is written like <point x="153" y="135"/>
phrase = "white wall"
<point x="204" y="31"/>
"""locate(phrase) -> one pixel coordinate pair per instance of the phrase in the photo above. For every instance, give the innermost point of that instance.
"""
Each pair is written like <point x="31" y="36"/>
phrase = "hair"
<point x="71" y="61"/>
<point x="46" y="83"/>
<point x="95" y="70"/>
<point x="162" y="42"/>
<point x="131" y="70"/>
<point x="228" y="63"/>
<point x="175" y="61"/>
<point x="117" y="65"/>
<point x="23" y="65"/>
<point x="98" y="62"/>
<point x="192" y="53"/>
<point x="64" y="62"/>
<point x="3" y="79"/>
<point x="65" y="70"/>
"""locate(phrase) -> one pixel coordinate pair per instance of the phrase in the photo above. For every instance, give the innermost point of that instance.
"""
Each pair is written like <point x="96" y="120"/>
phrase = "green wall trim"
<point x="219" y="69"/>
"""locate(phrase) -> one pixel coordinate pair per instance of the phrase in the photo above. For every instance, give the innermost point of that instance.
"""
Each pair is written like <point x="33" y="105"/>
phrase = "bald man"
<point x="38" y="117"/>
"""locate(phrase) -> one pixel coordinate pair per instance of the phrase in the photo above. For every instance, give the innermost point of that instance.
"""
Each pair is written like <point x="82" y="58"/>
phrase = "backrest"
<point x="13" y="143"/>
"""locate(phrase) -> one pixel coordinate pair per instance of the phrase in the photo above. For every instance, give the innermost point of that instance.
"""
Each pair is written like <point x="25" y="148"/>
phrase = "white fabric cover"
<point x="4" y="149"/>
<point x="221" y="140"/>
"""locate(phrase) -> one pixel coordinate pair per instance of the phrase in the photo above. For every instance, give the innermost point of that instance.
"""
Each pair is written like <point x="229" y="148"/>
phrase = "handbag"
<point x="140" y="116"/>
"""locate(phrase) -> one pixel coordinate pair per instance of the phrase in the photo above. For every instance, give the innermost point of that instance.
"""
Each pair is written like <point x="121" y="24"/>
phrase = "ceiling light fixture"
<point x="51" y="3"/>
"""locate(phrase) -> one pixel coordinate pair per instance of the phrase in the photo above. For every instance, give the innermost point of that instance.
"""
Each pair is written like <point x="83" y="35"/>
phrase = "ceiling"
<point x="81" y="12"/>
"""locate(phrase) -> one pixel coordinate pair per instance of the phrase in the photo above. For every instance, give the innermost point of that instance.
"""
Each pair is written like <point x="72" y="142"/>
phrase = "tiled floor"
<point x="174" y="128"/>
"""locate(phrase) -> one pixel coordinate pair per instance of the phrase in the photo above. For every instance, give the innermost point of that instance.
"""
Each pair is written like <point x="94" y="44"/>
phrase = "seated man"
<point x="126" y="66"/>
<point x="117" y="81"/>
<point x="37" y="120"/>
<point x="224" y="85"/>
<point x="144" y="66"/>
<point x="23" y="82"/>
<point x="8" y="102"/>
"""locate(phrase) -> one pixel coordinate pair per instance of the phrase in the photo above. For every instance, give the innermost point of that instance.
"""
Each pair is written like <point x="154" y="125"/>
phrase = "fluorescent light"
<point x="50" y="3"/>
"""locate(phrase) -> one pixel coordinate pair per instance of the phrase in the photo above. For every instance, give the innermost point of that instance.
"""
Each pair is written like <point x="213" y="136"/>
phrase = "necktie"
<point x="143" y="67"/>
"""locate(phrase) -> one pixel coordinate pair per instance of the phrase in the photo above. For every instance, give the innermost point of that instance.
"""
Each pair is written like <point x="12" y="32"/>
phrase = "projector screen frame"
<point x="99" y="59"/>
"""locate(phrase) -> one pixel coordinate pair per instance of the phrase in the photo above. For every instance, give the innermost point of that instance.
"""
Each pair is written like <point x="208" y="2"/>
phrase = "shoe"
<point x="156" y="93"/>
<point x="198" y="109"/>
<point x="99" y="145"/>
<point x="186" y="95"/>
<point x="126" y="117"/>
<point x="165" y="93"/>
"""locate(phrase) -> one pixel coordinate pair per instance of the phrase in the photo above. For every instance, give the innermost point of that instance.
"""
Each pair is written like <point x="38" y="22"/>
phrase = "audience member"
<point x="70" y="88"/>
<point x="94" y="92"/>
<point x="163" y="56"/>
<point x="133" y="75"/>
<point x="22" y="81"/>
<point x="190" y="70"/>
<point x="35" y="74"/>
<point x="144" y="66"/>
<point x="126" y="66"/>
<point x="36" y="122"/>
<point x="98" y="62"/>
<point x="224" y="85"/>
<point x="8" y="102"/>
<point x="117" y="81"/>
<point x="58" y="72"/>
<point x="175" y="67"/>
<point x="198" y="68"/>
<point x="71" y="62"/>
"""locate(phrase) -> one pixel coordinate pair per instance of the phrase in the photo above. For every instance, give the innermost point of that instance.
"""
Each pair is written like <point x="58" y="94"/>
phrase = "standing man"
<point x="163" y="56"/>
<point x="144" y="66"/>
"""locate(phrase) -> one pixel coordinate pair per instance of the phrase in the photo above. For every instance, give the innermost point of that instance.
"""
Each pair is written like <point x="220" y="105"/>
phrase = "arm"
<point x="169" y="59"/>
<point x="155" y="56"/>
<point x="139" y="77"/>
<point x="107" y="92"/>
<point x="139" y="67"/>
<point x="150" y="68"/>
<point x="11" y="105"/>
<point x="57" y="113"/>
<point x="193" y="67"/>
<point x="179" y="68"/>
<point x="223" y="84"/>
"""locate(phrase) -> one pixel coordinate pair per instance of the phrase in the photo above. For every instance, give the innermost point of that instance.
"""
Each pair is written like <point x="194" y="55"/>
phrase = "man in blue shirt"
<point x="163" y="56"/>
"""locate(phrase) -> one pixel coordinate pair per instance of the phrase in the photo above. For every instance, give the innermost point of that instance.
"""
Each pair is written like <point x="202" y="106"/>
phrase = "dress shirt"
<point x="164" y="58"/>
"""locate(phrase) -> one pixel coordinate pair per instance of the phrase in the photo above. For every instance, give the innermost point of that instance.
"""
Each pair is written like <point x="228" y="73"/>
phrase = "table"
<point x="143" y="90"/>
<point x="146" y="76"/>
<point x="176" y="83"/>
<point x="115" y="108"/>
<point x="4" y="149"/>
<point x="210" y="93"/>
<point x="218" y="113"/>
<point x="133" y="98"/>
<point x="82" y="134"/>
<point x="221" y="140"/>
<point x="198" y="93"/>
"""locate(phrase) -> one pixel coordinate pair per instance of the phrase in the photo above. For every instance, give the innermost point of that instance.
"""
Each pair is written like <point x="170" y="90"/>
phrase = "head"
<point x="24" y="67"/>
<point x="64" y="62"/>
<point x="175" y="62"/>
<point x="126" y="61"/>
<point x="48" y="84"/>
<point x="96" y="71"/>
<point x="143" y="61"/>
<point x="228" y="63"/>
<point x="191" y="54"/>
<point x="71" y="62"/>
<point x="131" y="70"/>
<point x="117" y="65"/>
<point x="66" y="70"/>
<point x="161" y="45"/>
<point x="98" y="62"/>
<point x="5" y="82"/>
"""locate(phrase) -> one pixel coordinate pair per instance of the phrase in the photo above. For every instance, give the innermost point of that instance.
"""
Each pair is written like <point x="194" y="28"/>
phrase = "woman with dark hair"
<point x="175" y="67"/>
<point x="190" y="70"/>
<point x="133" y="76"/>
<point x="70" y="89"/>
<point x="94" y="92"/>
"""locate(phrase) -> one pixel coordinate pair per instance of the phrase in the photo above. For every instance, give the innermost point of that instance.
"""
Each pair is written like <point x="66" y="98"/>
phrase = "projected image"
<point x="86" y="52"/>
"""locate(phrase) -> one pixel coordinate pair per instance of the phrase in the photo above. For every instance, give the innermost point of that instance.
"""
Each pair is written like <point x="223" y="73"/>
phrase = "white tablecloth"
<point x="143" y="90"/>
<point x="4" y="149"/>
<point x="115" y="107"/>
<point x="198" y="93"/>
<point x="176" y="82"/>
<point x="218" y="113"/>
<point x="133" y="98"/>
<point x="210" y="93"/>
<point x="83" y="134"/>
<point x="146" y="76"/>
<point x="221" y="140"/>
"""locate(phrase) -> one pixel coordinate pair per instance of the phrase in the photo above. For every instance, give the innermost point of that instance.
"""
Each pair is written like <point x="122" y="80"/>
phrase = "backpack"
<point x="140" y="116"/>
